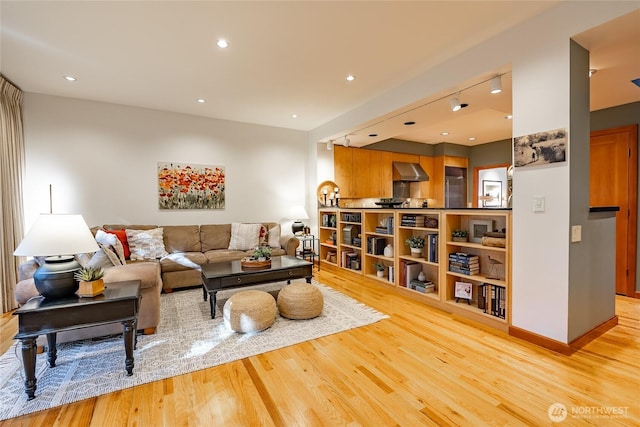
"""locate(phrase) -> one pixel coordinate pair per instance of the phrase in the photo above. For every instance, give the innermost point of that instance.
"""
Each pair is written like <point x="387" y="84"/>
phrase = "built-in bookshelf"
<point x="328" y="236"/>
<point x="479" y="265"/>
<point x="425" y="225"/>
<point x="350" y="239"/>
<point x="379" y="241"/>
<point x="355" y="240"/>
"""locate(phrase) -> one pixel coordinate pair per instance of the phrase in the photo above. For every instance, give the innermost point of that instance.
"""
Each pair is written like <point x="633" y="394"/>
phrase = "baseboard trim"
<point x="560" y="347"/>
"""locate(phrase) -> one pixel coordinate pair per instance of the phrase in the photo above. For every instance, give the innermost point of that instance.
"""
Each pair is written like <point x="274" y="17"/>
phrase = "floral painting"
<point x="189" y="186"/>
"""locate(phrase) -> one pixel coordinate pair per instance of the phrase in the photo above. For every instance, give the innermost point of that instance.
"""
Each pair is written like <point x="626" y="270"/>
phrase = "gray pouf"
<point x="249" y="311"/>
<point x="300" y="301"/>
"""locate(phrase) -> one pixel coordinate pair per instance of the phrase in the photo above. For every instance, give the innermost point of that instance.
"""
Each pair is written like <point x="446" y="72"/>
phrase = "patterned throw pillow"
<point x="146" y="244"/>
<point x="244" y="236"/>
<point x="112" y="246"/>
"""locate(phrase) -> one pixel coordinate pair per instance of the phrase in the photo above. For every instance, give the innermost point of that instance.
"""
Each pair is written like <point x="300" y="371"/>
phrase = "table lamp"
<point x="298" y="213"/>
<point x="58" y="238"/>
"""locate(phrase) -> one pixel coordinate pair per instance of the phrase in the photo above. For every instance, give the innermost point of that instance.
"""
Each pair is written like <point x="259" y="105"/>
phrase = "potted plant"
<point x="90" y="281"/>
<point x="379" y="268"/>
<point x="262" y="253"/>
<point x="459" y="235"/>
<point x="416" y="243"/>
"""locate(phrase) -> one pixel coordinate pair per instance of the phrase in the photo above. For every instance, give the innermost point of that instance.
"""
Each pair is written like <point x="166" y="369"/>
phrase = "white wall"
<point x="101" y="160"/>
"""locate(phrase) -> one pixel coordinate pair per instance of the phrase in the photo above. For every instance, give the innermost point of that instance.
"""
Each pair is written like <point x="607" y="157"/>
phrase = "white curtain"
<point x="11" y="173"/>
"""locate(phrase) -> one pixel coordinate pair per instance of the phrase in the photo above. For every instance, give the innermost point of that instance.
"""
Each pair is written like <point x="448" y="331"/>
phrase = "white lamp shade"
<point x="54" y="234"/>
<point x="298" y="212"/>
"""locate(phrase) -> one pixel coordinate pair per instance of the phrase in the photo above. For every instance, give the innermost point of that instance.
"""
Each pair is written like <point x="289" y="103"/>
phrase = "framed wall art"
<point x="190" y="186"/>
<point x="491" y="193"/>
<point x="540" y="148"/>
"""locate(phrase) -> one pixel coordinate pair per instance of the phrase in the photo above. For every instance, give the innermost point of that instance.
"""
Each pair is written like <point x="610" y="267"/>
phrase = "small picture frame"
<point x="463" y="291"/>
<point x="477" y="228"/>
<point x="491" y="194"/>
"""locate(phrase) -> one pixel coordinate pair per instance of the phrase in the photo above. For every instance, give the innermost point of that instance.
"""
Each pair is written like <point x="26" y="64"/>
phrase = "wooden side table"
<point x="49" y="316"/>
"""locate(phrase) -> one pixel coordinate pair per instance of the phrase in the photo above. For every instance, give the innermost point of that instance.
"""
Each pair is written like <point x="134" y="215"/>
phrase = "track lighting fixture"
<point x="455" y="104"/>
<point x="347" y="141"/>
<point x="496" y="84"/>
<point x="330" y="145"/>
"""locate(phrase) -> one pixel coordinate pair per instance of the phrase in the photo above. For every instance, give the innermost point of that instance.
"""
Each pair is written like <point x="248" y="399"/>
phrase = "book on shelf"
<point x="423" y="287"/>
<point x="482" y="297"/>
<point x="391" y="276"/>
<point x="375" y="245"/>
<point x="432" y="247"/>
<point x="412" y="270"/>
<point x="463" y="270"/>
<point x="492" y="299"/>
<point x="413" y="220"/>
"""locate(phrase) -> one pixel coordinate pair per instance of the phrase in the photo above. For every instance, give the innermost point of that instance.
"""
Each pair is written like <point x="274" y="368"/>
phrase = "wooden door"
<point x="614" y="182"/>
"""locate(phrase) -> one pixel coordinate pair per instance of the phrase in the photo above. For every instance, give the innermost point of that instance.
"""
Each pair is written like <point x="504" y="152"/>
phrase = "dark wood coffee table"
<point x="228" y="275"/>
<point x="119" y="303"/>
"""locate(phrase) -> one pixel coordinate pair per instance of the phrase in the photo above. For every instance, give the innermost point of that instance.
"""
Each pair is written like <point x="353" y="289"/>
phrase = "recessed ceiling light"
<point x="201" y="100"/>
<point x="444" y="133"/>
<point x="409" y="123"/>
<point x="222" y="44"/>
<point x="70" y="78"/>
<point x="350" y="78"/>
<point x="508" y="117"/>
<point x="295" y="116"/>
<point x="472" y="138"/>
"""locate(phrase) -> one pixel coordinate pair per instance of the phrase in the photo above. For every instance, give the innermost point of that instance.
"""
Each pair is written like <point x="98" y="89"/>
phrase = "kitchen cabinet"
<point x="362" y="173"/>
<point x="372" y="174"/>
<point x="343" y="170"/>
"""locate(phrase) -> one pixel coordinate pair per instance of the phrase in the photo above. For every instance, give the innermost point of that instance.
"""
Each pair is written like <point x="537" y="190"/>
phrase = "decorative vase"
<point x="380" y="273"/>
<point x="388" y="251"/>
<point x="416" y="252"/>
<point x="421" y="276"/>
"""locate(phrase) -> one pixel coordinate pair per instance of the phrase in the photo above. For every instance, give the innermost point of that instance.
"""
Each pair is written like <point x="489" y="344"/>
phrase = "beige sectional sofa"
<point x="188" y="246"/>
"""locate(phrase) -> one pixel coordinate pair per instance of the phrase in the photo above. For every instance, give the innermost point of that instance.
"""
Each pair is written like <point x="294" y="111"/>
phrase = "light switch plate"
<point x="576" y="233"/>
<point x="538" y="203"/>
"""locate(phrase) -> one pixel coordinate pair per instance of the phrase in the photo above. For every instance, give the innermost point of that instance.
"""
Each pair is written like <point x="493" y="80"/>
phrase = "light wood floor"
<point x="419" y="367"/>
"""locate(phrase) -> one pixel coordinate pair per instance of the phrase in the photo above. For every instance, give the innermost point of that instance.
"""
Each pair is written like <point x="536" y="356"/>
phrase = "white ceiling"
<point x="284" y="58"/>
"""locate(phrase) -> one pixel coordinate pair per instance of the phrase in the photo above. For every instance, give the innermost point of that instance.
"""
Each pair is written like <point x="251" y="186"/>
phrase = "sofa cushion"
<point x="182" y="261"/>
<point x="221" y="255"/>
<point x="244" y="236"/>
<point x="215" y="236"/>
<point x="182" y="238"/>
<point x="146" y="244"/>
<point x="147" y="272"/>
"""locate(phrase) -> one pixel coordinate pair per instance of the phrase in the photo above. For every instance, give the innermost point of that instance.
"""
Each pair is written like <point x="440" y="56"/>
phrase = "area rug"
<point x="187" y="340"/>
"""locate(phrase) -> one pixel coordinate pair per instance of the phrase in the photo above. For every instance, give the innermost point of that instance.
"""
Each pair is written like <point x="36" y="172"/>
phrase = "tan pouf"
<point x="249" y="311"/>
<point x="300" y="301"/>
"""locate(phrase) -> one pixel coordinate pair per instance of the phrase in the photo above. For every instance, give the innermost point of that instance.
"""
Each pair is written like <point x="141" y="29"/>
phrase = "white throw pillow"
<point x="110" y="243"/>
<point x="244" y="236"/>
<point x="274" y="236"/>
<point x="98" y="259"/>
<point x="146" y="244"/>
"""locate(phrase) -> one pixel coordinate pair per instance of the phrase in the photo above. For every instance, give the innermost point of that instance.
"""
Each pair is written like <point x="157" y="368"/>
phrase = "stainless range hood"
<point x="409" y="172"/>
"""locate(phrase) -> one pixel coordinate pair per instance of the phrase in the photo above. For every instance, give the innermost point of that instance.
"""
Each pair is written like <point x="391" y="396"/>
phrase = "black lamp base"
<point x="297" y="227"/>
<point x="55" y="278"/>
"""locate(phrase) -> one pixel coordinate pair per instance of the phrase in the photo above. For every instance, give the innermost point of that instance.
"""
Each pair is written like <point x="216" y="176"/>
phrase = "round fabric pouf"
<point x="300" y="301"/>
<point x="249" y="311"/>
